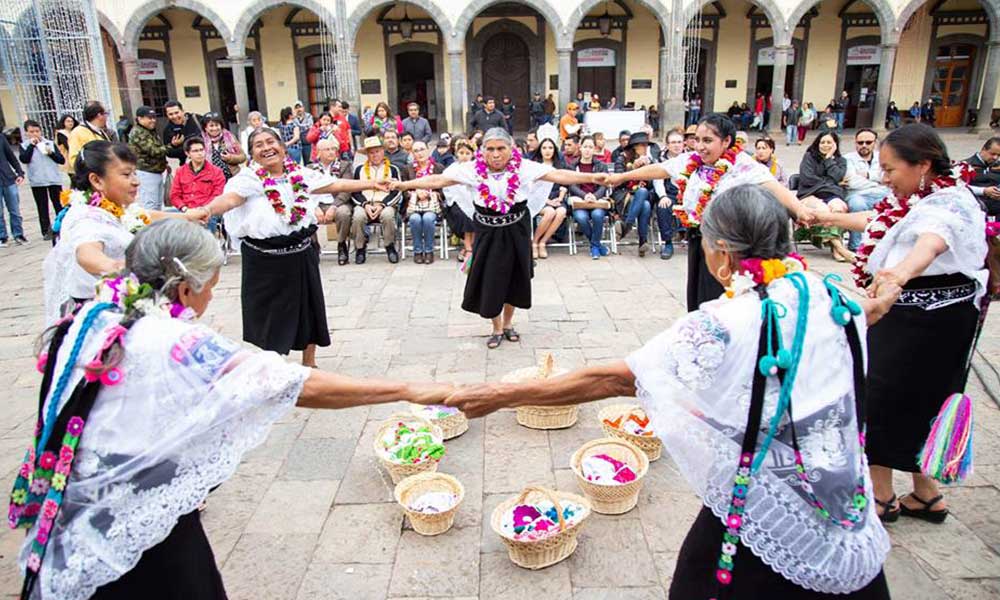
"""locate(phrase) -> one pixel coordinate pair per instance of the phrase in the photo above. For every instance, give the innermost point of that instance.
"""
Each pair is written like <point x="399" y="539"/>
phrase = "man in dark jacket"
<point x="416" y="125"/>
<point x="489" y="117"/>
<point x="397" y="156"/>
<point x="180" y="126"/>
<point x="536" y="108"/>
<point x="11" y="176"/>
<point x="986" y="183"/>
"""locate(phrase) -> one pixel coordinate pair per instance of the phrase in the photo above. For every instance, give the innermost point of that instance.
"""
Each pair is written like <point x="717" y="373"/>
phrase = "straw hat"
<point x="369" y="143"/>
<point x="691" y="130"/>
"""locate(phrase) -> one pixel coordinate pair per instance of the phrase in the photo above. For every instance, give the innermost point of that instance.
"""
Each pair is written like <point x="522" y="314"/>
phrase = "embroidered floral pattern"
<point x="698" y="350"/>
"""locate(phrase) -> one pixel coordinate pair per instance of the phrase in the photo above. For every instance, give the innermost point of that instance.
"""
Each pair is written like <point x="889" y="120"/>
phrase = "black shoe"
<point x="359" y="256"/>
<point x="418" y="258"/>
<point x="390" y="251"/>
<point x="429" y="258"/>
<point x="626" y="229"/>
<point x="342" y="255"/>
<point x="47" y="236"/>
<point x="20" y="239"/>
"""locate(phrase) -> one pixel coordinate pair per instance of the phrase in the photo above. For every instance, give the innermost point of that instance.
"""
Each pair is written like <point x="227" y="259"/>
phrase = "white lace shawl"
<point x="533" y="190"/>
<point x="694" y="381"/>
<point x="745" y="171"/>
<point x="191" y="404"/>
<point x="952" y="213"/>
<point x="64" y="278"/>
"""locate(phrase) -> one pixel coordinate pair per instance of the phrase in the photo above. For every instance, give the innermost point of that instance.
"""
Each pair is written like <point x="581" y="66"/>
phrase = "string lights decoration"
<point x="51" y="58"/>
<point x="692" y="55"/>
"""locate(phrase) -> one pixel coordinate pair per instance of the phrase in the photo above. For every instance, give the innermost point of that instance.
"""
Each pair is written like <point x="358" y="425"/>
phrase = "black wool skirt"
<point x="181" y="567"/>
<point x="459" y="223"/>
<point x="282" y="293"/>
<point x="701" y="286"/>
<point x="501" y="268"/>
<point x="694" y="576"/>
<point x="916" y="359"/>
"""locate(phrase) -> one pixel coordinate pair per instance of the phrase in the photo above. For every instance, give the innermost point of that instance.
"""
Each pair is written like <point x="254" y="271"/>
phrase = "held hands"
<point x="879" y="305"/>
<point x="603" y="179"/>
<point x="807" y="217"/>
<point x="665" y="202"/>
<point x="885" y="281"/>
<point x="992" y="192"/>
<point x="481" y="399"/>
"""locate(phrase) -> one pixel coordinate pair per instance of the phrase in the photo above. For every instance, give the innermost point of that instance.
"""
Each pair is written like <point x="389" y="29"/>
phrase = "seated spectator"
<point x="459" y="223"/>
<point x="654" y="148"/>
<point x="863" y="182"/>
<point x="590" y="220"/>
<point x="623" y="136"/>
<point x="375" y="206"/>
<point x="595" y="103"/>
<point x="571" y="151"/>
<point x="221" y="147"/>
<point x="338" y="208"/>
<point x="399" y="157"/>
<point x="820" y="175"/>
<point x="667" y="192"/>
<point x="423" y="208"/>
<point x="914" y="112"/>
<point x="986" y="183"/>
<point x="507" y="109"/>
<point x="406" y="140"/>
<point x="601" y="152"/>
<point x="893" y="120"/>
<point x="554" y="212"/>
<point x="632" y="198"/>
<point x="531" y="141"/>
<point x="442" y="152"/>
<point x="417" y="126"/>
<point x="382" y="121"/>
<point x="353" y="121"/>
<point x="764" y="153"/>
<point x="42" y="160"/>
<point x="691" y="138"/>
<point x="197" y="182"/>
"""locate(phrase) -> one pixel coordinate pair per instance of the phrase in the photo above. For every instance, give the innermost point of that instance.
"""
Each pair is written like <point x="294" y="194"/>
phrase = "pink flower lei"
<point x="891" y="210"/>
<point x="298" y="210"/>
<point x="504" y="205"/>
<point x="428" y="170"/>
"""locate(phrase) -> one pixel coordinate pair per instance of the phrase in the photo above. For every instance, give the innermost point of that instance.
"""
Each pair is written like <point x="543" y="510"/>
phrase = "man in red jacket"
<point x="197" y="182"/>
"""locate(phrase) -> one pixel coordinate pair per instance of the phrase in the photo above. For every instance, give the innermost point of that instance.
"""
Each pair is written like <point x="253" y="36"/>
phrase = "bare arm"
<point x="567" y="177"/>
<point x="583" y="385"/>
<point x="851" y="221"/>
<point x="329" y="390"/>
<point x="91" y="257"/>
<point x="928" y="247"/>
<point x="346" y="185"/>
<point x="788" y="200"/>
<point x="646" y="173"/>
<point x="223" y="203"/>
<point x="430" y="182"/>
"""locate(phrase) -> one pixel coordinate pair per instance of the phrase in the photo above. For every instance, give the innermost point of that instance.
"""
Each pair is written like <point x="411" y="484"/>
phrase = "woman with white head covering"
<point x="506" y="193"/>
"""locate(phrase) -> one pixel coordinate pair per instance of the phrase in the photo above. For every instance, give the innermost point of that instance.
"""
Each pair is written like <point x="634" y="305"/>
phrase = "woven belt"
<point x="498" y="220"/>
<point x="933" y="298"/>
<point x="294" y="249"/>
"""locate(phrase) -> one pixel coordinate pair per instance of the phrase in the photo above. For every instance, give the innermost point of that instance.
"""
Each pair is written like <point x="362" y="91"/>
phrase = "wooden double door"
<point x="950" y="89"/>
<point x="507" y="72"/>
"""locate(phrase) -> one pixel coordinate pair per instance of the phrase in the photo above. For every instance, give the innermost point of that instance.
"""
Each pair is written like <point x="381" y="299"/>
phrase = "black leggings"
<point x="40" y="193"/>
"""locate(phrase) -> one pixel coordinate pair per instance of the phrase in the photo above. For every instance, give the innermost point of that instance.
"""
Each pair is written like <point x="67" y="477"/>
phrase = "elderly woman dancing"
<point x="273" y="208"/>
<point x="506" y="189"/>
<point x="787" y="511"/>
<point x="142" y="412"/>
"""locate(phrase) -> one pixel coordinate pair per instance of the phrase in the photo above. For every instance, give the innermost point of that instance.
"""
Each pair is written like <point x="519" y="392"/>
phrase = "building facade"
<point x="265" y="55"/>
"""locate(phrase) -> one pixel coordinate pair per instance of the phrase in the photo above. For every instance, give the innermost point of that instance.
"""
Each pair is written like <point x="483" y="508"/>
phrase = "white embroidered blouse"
<point x="255" y="218"/>
<point x="745" y="171"/>
<point x="533" y="189"/>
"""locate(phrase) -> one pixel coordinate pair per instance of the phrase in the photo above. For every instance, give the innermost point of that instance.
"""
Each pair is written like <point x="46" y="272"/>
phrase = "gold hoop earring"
<point x="720" y="276"/>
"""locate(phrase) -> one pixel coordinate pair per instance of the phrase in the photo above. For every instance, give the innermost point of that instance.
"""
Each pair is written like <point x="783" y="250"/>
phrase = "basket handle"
<point x="551" y="497"/>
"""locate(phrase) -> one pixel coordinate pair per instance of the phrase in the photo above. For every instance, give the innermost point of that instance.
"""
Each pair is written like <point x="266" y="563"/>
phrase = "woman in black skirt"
<point x="720" y="163"/>
<point x="502" y="194"/>
<point x="271" y="209"/>
<point x="142" y="412"/>
<point x="928" y="238"/>
<point x="786" y="517"/>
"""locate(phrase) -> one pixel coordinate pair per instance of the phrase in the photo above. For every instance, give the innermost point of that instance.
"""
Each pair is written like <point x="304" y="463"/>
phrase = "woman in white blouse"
<point x="929" y="238"/>
<point x="273" y="209"/>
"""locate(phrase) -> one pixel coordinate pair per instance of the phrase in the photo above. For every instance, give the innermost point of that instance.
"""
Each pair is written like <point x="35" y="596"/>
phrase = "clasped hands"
<point x="475" y="400"/>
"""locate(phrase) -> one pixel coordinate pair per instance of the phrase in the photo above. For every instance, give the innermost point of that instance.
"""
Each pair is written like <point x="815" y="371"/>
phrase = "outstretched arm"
<point x="346" y="185"/>
<point x="583" y="385"/>
<point x="329" y="390"/>
<point x="646" y="173"/>
<point x="567" y="177"/>
<point x="851" y="221"/>
<point x="790" y="201"/>
<point x="430" y="182"/>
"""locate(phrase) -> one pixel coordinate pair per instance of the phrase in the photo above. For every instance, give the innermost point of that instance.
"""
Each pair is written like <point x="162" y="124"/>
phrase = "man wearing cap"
<point x="373" y="206"/>
<point x="304" y="120"/>
<point x="152" y="158"/>
<point x="416" y="125"/>
<point x="568" y="124"/>
<point x="691" y="137"/>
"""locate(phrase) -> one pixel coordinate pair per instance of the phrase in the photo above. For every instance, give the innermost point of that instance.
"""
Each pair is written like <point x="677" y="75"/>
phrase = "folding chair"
<point x="442" y="228"/>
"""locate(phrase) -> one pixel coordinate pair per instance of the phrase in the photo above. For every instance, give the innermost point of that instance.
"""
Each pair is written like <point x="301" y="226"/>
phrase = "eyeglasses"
<point x="865" y="142"/>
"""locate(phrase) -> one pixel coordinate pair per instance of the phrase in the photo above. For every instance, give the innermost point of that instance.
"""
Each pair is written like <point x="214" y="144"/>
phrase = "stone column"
<point x="238" y="64"/>
<point x="781" y="56"/>
<point x="130" y="69"/>
<point x="671" y="78"/>
<point x="565" y="79"/>
<point x="456" y="81"/>
<point x="990" y="81"/>
<point x="883" y="92"/>
<point x="663" y="89"/>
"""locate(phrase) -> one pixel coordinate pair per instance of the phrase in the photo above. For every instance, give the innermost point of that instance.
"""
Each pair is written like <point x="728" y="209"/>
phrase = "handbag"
<point x="591" y="204"/>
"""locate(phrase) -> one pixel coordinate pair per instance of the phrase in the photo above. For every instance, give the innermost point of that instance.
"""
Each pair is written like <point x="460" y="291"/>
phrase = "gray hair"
<point x="171" y="251"/>
<point x="498" y="133"/>
<point x="254" y="113"/>
<point x="749" y="220"/>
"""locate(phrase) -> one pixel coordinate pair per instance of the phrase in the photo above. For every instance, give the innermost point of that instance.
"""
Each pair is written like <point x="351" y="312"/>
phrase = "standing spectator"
<point x="353" y="121"/>
<point x="95" y="119"/>
<point x="653" y="118"/>
<point x="488" y="117"/>
<point x="151" y="155"/>
<point x="507" y="109"/>
<point x="840" y="109"/>
<point x="291" y="134"/>
<point x="221" y="147"/>
<point x="806" y="120"/>
<point x="892" y="118"/>
<point x="758" y="112"/>
<point x="477" y="105"/>
<point x="694" y="110"/>
<point x="536" y="108"/>
<point x="927" y="113"/>
<point x="322" y="129"/>
<point x="550" y="109"/>
<point x="399" y="157"/>
<point x="382" y="121"/>
<point x="67" y="123"/>
<point x="11" y="176"/>
<point x="424" y="206"/>
<point x="341" y="127"/>
<point x="255" y="121"/>
<point x="416" y="125"/>
<point x="863" y="182"/>
<point x="42" y="158"/>
<point x="304" y="120"/>
<point x="197" y="182"/>
<point x="791" y="117"/>
<point x="569" y="124"/>
<point x="180" y="126"/>
<point x="123" y="127"/>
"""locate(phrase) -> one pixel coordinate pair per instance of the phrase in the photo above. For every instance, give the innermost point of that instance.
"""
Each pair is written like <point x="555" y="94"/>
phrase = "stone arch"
<point x="476" y="43"/>
<point x="543" y="7"/>
<point x="991" y="7"/>
<point x="781" y="34"/>
<point x="237" y="43"/>
<point x="146" y="11"/>
<point x="105" y="23"/>
<point x="659" y="10"/>
<point x="882" y="10"/>
<point x="365" y="8"/>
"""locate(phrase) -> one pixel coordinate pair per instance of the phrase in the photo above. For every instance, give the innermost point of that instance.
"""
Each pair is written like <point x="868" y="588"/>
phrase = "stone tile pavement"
<point x="309" y="515"/>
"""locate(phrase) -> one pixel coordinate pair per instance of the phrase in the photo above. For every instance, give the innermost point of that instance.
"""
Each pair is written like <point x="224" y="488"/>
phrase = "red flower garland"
<point x="720" y="168"/>
<point x="299" y="188"/>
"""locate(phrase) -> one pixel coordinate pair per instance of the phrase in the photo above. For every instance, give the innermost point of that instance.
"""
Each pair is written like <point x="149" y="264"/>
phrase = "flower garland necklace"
<point x="891" y="210"/>
<point x="710" y="182"/>
<point x="428" y="170"/>
<point x="132" y="218"/>
<point x="490" y="199"/>
<point x="298" y="210"/>
<point x="386" y="172"/>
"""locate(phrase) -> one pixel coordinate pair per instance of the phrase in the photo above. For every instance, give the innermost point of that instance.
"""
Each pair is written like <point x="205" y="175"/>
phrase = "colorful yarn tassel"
<point x="947" y="454"/>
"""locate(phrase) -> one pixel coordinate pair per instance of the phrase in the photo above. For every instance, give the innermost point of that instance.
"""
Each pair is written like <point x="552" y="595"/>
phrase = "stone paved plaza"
<point x="309" y="515"/>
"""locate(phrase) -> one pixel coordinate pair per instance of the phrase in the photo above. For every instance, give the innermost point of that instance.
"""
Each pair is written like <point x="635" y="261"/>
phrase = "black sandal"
<point x="925" y="513"/>
<point x="889" y="515"/>
<point x="511" y="335"/>
<point x="494" y="342"/>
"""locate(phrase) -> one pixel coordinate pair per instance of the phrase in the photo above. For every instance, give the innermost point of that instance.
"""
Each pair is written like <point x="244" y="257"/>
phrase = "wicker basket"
<point x="612" y="499"/>
<point x="548" y="551"/>
<point x="542" y="417"/>
<point x="412" y="487"/>
<point x="397" y="471"/>
<point x="650" y="444"/>
<point x="452" y="425"/>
